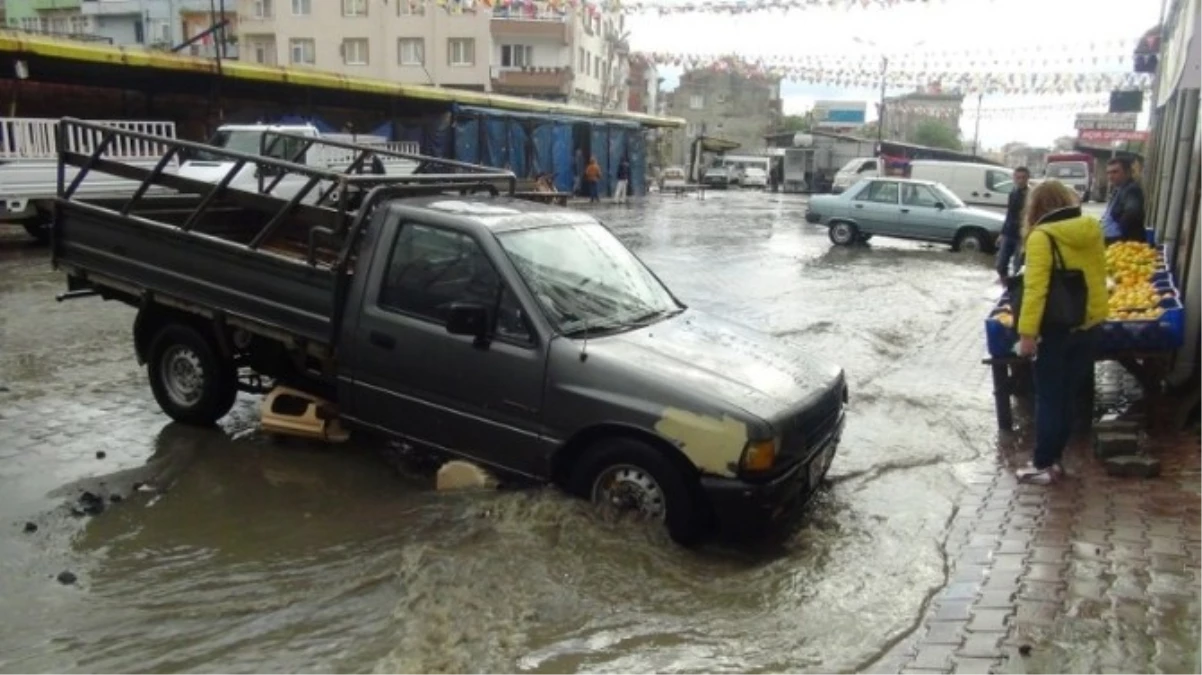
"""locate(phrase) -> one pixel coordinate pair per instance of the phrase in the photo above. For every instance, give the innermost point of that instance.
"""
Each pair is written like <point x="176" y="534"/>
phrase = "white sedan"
<point x="754" y="177"/>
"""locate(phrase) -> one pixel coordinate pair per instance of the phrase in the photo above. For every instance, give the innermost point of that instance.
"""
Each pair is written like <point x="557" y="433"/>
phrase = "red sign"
<point x="1109" y="135"/>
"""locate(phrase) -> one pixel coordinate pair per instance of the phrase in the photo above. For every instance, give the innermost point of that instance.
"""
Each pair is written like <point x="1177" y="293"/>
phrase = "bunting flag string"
<point x="938" y="79"/>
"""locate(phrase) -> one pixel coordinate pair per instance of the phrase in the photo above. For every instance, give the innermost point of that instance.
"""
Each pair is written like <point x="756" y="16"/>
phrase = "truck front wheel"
<point x="191" y="381"/>
<point x="628" y="477"/>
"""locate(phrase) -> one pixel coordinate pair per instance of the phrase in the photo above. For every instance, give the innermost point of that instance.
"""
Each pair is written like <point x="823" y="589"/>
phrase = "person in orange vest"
<point x="592" y="179"/>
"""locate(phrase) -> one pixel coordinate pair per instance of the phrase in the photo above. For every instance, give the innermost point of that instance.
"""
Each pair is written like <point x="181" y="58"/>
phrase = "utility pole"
<point x="976" y="135"/>
<point x="880" y="121"/>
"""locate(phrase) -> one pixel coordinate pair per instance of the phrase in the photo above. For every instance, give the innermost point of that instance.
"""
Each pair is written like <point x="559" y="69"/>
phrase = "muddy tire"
<point x="632" y="476"/>
<point x="38" y="230"/>
<point x="864" y="238"/>
<point x="843" y="234"/>
<point x="190" y="379"/>
<point x="972" y="241"/>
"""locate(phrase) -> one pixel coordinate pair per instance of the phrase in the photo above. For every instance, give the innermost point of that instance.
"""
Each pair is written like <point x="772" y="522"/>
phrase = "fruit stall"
<point x="1145" y="324"/>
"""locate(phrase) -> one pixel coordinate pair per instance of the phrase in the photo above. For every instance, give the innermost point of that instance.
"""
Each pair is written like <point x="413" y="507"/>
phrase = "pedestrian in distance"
<point x="592" y="180"/>
<point x="1123" y="219"/>
<point x="1065" y="260"/>
<point x="623" y="183"/>
<point x="1009" y="254"/>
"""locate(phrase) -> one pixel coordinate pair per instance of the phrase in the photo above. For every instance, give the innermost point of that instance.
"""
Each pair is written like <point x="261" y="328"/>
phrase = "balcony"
<point x="210" y="51"/>
<point x="51" y="5"/>
<point x="532" y="81"/>
<point x="527" y="22"/>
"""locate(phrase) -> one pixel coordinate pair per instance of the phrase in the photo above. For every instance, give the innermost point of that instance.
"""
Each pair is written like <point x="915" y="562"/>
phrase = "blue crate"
<point x="999" y="339"/>
<point x="1165" y="333"/>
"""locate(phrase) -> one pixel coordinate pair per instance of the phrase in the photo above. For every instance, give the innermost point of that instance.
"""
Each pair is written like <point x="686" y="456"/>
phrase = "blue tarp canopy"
<point x="531" y="144"/>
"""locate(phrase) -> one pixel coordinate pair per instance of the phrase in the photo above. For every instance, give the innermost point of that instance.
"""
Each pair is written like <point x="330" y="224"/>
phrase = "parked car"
<point x="718" y="177"/>
<point x="905" y="209"/>
<point x="754" y="177"/>
<point x="673" y="179"/>
<point x="522" y="336"/>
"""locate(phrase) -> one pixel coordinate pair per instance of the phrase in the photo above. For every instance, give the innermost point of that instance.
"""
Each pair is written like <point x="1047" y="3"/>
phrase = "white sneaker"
<point x="1029" y="474"/>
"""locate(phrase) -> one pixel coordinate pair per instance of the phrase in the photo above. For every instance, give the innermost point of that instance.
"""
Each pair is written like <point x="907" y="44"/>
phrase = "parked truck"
<point x="1074" y="169"/>
<point x="520" y="336"/>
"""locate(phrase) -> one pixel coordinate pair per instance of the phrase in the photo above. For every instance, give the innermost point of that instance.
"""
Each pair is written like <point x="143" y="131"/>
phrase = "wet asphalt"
<point x="222" y="551"/>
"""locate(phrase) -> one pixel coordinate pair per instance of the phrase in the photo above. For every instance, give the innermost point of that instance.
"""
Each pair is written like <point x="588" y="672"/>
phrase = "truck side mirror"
<point x="468" y="318"/>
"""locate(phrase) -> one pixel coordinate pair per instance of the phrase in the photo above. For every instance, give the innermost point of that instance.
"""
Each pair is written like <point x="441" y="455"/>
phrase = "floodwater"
<point x="228" y="552"/>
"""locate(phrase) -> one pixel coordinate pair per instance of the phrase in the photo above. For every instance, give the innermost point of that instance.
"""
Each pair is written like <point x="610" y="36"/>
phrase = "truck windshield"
<point x="1066" y="170"/>
<point x="586" y="280"/>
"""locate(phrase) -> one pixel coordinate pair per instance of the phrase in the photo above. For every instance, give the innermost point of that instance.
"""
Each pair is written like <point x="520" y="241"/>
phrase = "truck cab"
<point x="1074" y="169"/>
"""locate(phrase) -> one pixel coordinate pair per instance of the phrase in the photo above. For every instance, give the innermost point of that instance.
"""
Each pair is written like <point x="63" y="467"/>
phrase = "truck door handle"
<point x="382" y="340"/>
<point x="905" y="210"/>
<point x="859" y="206"/>
<point x="976" y="194"/>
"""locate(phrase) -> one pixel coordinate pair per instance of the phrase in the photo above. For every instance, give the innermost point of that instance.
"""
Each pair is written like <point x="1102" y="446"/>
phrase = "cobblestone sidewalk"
<point x="1095" y="574"/>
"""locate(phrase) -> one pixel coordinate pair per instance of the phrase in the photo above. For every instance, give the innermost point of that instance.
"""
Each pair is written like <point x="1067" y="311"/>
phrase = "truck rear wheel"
<point x="190" y="379"/>
<point x="627" y="476"/>
<point x="38" y="230"/>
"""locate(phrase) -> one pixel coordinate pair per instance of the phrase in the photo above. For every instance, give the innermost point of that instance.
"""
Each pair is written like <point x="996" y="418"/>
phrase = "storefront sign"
<point x="1111" y="135"/>
<point x="1106" y="121"/>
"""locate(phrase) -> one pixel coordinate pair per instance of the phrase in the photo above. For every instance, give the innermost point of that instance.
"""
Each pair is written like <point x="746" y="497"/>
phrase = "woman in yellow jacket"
<point x="1063" y="358"/>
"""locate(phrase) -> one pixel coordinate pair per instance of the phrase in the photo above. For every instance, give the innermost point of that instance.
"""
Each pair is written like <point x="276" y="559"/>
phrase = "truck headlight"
<point x="759" y="456"/>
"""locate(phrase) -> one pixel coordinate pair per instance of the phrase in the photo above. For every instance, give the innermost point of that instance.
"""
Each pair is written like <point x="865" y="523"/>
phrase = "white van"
<point x="975" y="184"/>
<point x="853" y="171"/>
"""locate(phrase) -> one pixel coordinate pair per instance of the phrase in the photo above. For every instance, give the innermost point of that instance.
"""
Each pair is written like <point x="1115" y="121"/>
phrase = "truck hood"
<point x="734" y="364"/>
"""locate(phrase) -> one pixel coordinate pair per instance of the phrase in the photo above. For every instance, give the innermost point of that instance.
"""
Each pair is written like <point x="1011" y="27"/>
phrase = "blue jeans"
<point x="593" y="187"/>
<point x="1062" y="366"/>
<point x="1009" y="258"/>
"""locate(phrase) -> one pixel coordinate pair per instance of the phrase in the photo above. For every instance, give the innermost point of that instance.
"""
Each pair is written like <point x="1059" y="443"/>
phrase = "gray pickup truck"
<point x="521" y="336"/>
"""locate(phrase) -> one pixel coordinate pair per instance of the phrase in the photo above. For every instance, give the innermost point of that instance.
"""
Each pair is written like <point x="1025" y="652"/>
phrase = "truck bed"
<point x="208" y="267"/>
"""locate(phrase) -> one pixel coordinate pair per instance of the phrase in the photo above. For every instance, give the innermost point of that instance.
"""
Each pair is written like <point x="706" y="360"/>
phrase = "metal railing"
<point x="30" y="138"/>
<point x="347" y="198"/>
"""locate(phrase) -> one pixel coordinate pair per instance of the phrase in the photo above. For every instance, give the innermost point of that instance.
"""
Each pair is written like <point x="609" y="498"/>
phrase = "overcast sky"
<point x="1018" y="27"/>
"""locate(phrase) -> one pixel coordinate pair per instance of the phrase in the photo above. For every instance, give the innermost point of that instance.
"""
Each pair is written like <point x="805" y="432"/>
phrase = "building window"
<point x="411" y="51"/>
<point x="696" y="101"/>
<point x="581" y="60"/>
<point x="354" y="51"/>
<point x="302" y="7"/>
<point x="263" y="52"/>
<point x="517" y="56"/>
<point x="461" y="52"/>
<point x="262" y="9"/>
<point x="304" y="51"/>
<point x="354" y="7"/>
<point x="596" y="66"/>
<point x="410" y="7"/>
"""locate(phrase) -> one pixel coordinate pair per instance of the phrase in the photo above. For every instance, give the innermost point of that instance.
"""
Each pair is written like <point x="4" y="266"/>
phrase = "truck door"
<point x="991" y="189"/>
<point x="413" y="378"/>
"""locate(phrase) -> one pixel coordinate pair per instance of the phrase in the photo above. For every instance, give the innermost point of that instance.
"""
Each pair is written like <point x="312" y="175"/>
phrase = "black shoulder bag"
<point x="1068" y="295"/>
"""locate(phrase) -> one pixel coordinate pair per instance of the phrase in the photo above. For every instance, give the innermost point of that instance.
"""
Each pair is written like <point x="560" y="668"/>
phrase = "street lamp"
<point x="880" y="115"/>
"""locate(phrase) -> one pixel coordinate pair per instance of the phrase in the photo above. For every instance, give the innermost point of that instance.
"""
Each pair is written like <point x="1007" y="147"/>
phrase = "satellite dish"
<point x="801" y="140"/>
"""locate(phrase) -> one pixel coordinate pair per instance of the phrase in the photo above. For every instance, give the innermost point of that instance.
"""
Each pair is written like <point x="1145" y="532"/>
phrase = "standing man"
<point x="1009" y="258"/>
<point x="592" y="180"/>
<point x="1123" y="218"/>
<point x="623" y="181"/>
<point x="578" y="172"/>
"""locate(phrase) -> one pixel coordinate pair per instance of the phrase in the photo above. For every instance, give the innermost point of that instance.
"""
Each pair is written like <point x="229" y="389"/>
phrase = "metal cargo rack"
<point x="344" y="199"/>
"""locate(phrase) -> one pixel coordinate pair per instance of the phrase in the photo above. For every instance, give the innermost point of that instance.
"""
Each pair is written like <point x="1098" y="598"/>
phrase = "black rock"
<point x="77" y="512"/>
<point x="66" y="578"/>
<point x="1024" y="650"/>
<point x="115" y="498"/>
<point x="31" y="527"/>
<point x="91" y="504"/>
<point x="88" y="498"/>
<point x="137" y="486"/>
<point x="100" y="454"/>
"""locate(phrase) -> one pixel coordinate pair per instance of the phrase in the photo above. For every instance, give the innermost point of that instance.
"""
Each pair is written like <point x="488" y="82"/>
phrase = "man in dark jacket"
<point x="1123" y="218"/>
<point x="1009" y="258"/>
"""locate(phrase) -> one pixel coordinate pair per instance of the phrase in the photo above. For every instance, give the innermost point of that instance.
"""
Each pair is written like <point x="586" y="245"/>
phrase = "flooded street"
<point x="224" y="551"/>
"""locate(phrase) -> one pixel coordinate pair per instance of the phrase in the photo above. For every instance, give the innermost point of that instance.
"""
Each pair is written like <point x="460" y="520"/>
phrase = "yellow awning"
<point x="715" y="144"/>
<point x="17" y="44"/>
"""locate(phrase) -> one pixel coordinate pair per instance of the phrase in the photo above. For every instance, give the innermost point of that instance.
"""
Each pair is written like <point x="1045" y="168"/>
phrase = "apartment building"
<point x="903" y="114"/>
<point x="643" y="84"/>
<point x="536" y="50"/>
<point x="159" y="24"/>
<point x="724" y="104"/>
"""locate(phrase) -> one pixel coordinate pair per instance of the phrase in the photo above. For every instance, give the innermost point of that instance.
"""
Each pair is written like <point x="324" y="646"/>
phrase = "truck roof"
<point x="496" y="214"/>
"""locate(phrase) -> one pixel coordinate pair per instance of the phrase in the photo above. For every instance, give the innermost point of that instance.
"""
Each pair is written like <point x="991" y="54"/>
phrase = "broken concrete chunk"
<point x="459" y="475"/>
<point x="1133" y="466"/>
<point x="66" y="578"/>
<point x="1112" y="444"/>
<point x="31" y="527"/>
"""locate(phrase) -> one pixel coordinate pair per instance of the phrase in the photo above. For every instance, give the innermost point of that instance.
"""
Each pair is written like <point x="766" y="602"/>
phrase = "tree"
<point x="936" y="134"/>
<point x="795" y="123"/>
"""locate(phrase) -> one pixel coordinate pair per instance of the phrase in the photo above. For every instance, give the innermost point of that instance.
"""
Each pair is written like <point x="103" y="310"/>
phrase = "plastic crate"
<point x="1167" y="332"/>
<point x="999" y="339"/>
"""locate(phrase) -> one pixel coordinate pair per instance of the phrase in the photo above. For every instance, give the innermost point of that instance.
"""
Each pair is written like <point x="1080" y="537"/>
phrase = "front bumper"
<point x="745" y="508"/>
